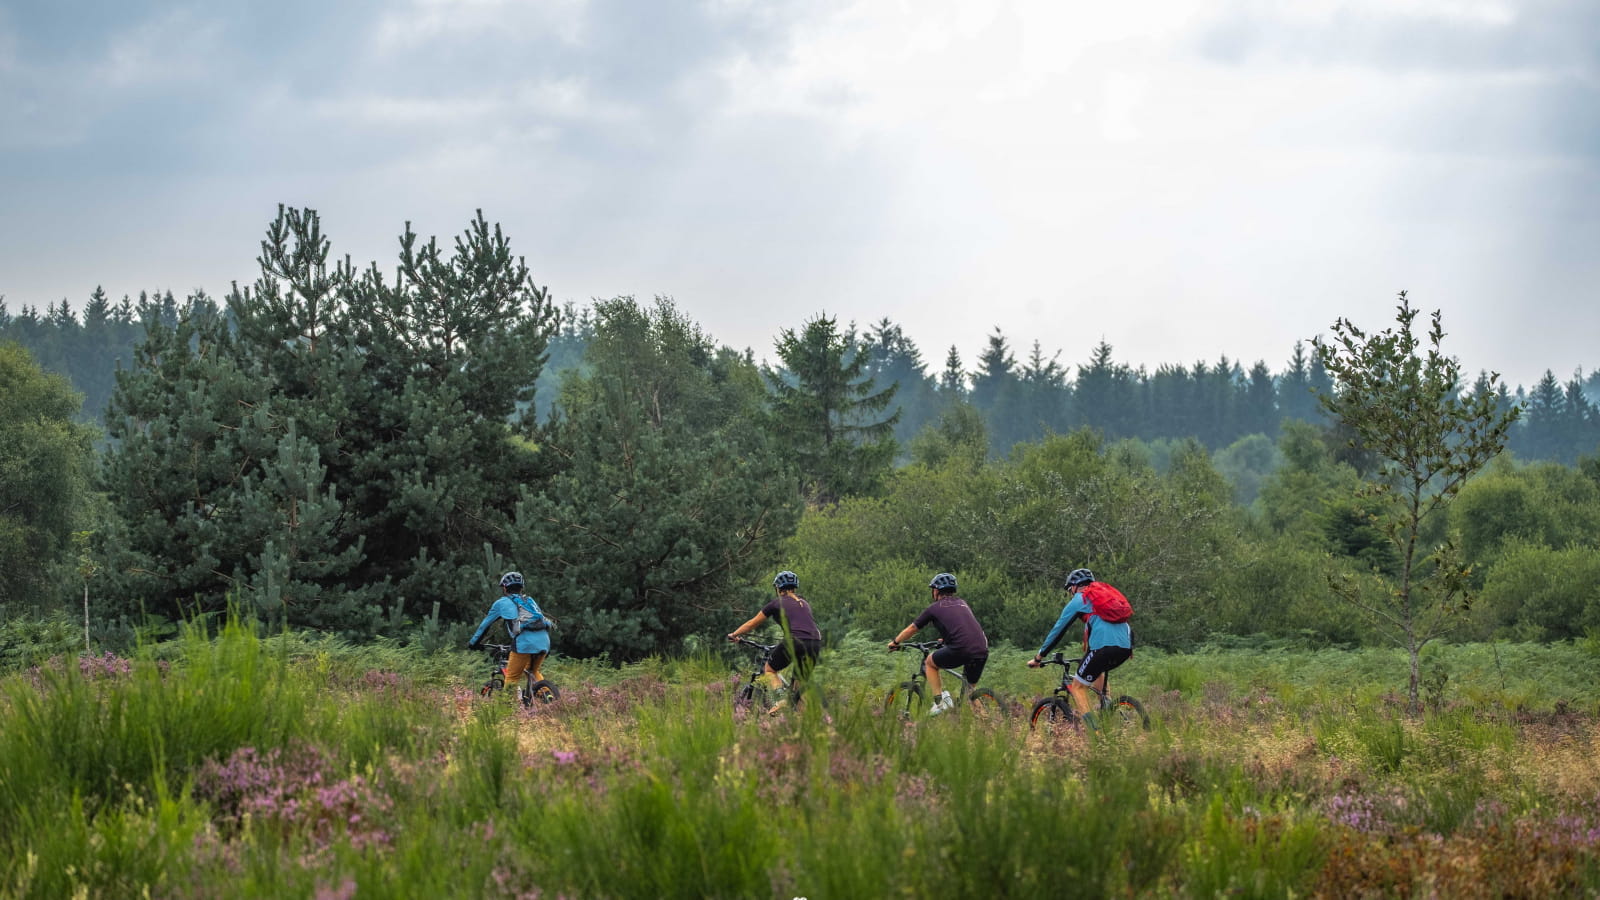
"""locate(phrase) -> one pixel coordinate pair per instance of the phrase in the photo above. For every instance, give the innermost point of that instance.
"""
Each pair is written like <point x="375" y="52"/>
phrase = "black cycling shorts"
<point x="972" y="664"/>
<point x="1098" y="662"/>
<point x="806" y="651"/>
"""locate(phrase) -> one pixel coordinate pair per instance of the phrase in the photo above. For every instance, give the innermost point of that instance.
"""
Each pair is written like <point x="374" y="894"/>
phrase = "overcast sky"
<point x="1183" y="180"/>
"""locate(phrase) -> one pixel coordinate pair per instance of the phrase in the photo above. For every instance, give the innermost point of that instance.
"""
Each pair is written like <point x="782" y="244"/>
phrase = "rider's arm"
<point x="1072" y="610"/>
<point x="746" y="628"/>
<point x="904" y="635"/>
<point x="496" y="612"/>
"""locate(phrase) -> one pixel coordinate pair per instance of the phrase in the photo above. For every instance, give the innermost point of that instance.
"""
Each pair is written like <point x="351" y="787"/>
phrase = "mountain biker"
<point x="531" y="643"/>
<point x="965" y="644"/>
<point x="1106" y="644"/>
<point x="802" y="639"/>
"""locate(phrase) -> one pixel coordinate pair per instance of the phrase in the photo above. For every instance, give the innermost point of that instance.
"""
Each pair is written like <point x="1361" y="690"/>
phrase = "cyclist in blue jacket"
<point x="532" y="644"/>
<point x="1106" y="644"/>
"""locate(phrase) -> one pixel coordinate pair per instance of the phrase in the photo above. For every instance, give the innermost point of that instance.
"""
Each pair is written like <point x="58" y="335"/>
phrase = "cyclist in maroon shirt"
<point x="965" y="644"/>
<point x="802" y="639"/>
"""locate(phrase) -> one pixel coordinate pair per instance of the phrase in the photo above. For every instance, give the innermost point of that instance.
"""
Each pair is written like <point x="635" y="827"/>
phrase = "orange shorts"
<point x="520" y="663"/>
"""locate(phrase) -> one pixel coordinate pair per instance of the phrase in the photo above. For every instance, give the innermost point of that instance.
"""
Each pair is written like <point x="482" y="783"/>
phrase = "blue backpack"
<point x="527" y="618"/>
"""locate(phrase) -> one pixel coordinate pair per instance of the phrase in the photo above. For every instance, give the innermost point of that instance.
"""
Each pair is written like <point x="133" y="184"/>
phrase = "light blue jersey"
<point x="506" y="609"/>
<point x="1101" y="632"/>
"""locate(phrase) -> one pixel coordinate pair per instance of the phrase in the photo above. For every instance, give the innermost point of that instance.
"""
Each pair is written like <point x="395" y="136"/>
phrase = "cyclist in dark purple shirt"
<point x="965" y="644"/>
<point x="802" y="639"/>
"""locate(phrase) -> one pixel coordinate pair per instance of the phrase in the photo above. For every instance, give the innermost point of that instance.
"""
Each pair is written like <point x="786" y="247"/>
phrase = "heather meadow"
<point x="294" y="765"/>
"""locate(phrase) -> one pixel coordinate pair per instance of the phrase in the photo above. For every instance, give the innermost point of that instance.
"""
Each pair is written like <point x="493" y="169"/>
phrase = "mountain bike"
<point x="531" y="690"/>
<point x="909" y="696"/>
<point x="756" y="693"/>
<point x="1057" y="710"/>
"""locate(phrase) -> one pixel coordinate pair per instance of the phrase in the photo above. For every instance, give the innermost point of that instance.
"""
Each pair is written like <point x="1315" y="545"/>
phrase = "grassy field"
<point x="294" y="766"/>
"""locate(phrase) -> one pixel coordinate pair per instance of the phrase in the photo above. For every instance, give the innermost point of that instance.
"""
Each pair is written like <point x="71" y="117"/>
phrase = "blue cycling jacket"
<point x="1101" y="632"/>
<point x="506" y="609"/>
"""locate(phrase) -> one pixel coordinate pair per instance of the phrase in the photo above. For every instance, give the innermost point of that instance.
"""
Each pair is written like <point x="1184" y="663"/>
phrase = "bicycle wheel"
<point x="987" y="706"/>
<point x="1126" y="712"/>
<point x="755" y="697"/>
<point x="903" y="699"/>
<point x="541" y="691"/>
<point x="1051" y="715"/>
<point x="492" y="685"/>
<point x="808" y="694"/>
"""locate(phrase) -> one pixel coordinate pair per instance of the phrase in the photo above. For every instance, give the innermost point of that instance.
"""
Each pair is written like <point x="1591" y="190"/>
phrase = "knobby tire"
<point x="986" y="705"/>
<point x="1129" y="712"/>
<point x="542" y="691"/>
<point x="1052" y="714"/>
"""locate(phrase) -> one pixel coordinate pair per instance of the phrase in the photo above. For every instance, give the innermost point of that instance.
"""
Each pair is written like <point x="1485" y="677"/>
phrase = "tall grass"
<point x="238" y="765"/>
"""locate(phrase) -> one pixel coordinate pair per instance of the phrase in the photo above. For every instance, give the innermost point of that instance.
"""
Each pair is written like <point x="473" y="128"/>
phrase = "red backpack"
<point x="1107" y="602"/>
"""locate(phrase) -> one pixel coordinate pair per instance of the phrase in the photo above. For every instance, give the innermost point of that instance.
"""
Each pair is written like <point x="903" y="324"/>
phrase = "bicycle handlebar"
<point x="924" y="646"/>
<point x="756" y="644"/>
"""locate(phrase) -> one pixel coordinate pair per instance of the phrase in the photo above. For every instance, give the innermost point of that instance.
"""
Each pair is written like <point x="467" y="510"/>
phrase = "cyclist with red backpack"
<point x="1107" y="638"/>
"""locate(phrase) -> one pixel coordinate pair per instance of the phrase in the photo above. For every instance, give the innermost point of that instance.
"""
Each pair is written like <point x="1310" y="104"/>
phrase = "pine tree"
<point x="827" y="408"/>
<point x="996" y="370"/>
<point x="953" y="380"/>
<point x="1540" y="435"/>
<point x="1580" y="421"/>
<point x="1041" y="397"/>
<point x="665" y="486"/>
<point x="331" y="440"/>
<point x="893" y="359"/>
<point x="1408" y="409"/>
<point x="1259" y="410"/>
<point x="1105" y="394"/>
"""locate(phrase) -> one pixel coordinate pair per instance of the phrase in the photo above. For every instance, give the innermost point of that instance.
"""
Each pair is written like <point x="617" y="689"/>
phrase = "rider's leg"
<point x="515" y="666"/>
<point x="1089" y="672"/>
<point x="1083" y="697"/>
<point x="931" y="669"/>
<point x="538" y="662"/>
<point x="775" y="681"/>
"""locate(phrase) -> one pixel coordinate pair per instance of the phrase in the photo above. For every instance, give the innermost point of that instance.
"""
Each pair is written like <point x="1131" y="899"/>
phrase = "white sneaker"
<point x="945" y="703"/>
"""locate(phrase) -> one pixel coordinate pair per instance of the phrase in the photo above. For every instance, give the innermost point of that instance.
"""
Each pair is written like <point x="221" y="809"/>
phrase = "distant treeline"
<point x="1216" y="403"/>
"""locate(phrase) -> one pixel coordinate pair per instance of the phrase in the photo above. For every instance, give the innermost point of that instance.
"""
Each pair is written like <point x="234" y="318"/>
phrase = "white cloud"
<point x="1184" y="178"/>
<point x="424" y="22"/>
<point x="169" y="48"/>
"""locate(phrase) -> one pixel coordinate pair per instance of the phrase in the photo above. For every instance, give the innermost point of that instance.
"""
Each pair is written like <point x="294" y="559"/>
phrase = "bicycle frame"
<point x="982" y="700"/>
<point x="1069" y="677"/>
<point x="756" y="692"/>
<point x="1056" y="707"/>
<point x="499" y="658"/>
<point x="921" y="674"/>
<point x="763" y="656"/>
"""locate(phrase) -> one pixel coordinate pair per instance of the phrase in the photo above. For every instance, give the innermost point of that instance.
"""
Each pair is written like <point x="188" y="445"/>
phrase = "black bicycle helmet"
<point x="786" y="580"/>
<point x="1078" y="577"/>
<point x="943" y="581"/>
<point x="511" y="580"/>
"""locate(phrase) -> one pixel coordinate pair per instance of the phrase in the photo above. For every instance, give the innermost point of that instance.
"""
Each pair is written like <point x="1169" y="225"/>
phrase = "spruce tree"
<point x="827" y="409"/>
<point x="1105" y="394"/>
<point x="1258" y="412"/>
<point x="953" y="380"/>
